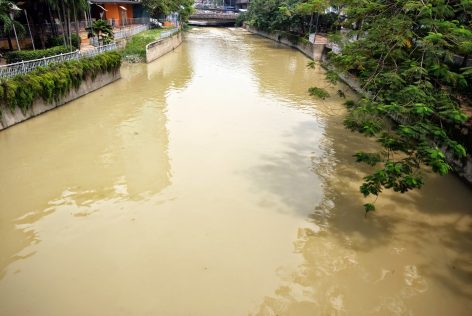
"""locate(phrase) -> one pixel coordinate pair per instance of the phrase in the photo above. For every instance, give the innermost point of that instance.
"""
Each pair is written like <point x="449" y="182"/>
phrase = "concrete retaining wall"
<point x="39" y="106"/>
<point x="313" y="51"/>
<point x="162" y="46"/>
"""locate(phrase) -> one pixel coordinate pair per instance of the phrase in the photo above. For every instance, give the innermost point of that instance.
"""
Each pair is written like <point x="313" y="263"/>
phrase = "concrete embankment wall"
<point x="313" y="51"/>
<point x="163" y="46"/>
<point x="462" y="167"/>
<point x="9" y="118"/>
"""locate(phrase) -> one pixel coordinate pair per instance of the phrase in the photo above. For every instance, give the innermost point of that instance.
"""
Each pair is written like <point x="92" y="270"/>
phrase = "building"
<point x="242" y="4"/>
<point x="118" y="12"/>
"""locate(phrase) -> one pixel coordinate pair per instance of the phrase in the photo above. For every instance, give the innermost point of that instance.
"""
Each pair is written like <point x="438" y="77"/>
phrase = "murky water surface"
<point x="208" y="183"/>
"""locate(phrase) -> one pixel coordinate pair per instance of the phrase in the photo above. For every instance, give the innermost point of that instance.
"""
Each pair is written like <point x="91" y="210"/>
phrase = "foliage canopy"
<point x="412" y="58"/>
<point x="158" y="8"/>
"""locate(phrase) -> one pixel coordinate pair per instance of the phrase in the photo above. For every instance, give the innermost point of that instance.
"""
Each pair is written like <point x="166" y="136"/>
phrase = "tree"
<point x="67" y="11"/>
<point x="6" y="8"/>
<point x="158" y="8"/>
<point x="410" y="57"/>
<point x="293" y="16"/>
<point x="103" y="29"/>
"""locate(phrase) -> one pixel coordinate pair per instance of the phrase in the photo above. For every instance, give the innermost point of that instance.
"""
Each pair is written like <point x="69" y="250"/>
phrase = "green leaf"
<point x="318" y="92"/>
<point x="369" y="207"/>
<point x="368" y="158"/>
<point x="311" y="64"/>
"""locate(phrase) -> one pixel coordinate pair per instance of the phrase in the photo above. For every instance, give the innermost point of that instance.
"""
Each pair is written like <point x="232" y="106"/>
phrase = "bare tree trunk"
<point x="311" y="23"/>
<point x="53" y="22"/>
<point x="77" y="26"/>
<point x="64" y="35"/>
<point x="10" y="44"/>
<point x="42" y="37"/>
<point x="69" y="29"/>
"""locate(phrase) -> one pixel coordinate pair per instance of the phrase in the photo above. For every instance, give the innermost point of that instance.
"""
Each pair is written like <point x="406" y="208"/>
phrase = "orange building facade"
<point x="119" y="13"/>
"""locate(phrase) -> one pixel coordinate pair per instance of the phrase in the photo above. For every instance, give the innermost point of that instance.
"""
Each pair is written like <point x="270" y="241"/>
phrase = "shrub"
<point x="59" y="40"/>
<point x="240" y="19"/>
<point x="23" y="55"/>
<point x="52" y="82"/>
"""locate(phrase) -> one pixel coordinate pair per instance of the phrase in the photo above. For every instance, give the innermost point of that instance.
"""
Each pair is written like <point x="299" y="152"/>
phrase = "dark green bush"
<point x="240" y="19"/>
<point x="59" y="40"/>
<point x="52" y="82"/>
<point x="24" y="55"/>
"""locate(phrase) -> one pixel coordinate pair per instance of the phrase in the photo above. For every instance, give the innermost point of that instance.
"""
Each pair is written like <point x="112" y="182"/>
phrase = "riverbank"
<point x="29" y="95"/>
<point x="134" y="50"/>
<point x="318" y="52"/>
<point x="162" y="46"/>
<point x="312" y="51"/>
<point x="144" y="47"/>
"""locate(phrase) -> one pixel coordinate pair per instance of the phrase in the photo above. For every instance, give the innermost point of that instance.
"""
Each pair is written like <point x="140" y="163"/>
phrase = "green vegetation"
<point x="8" y="23"/>
<point x="103" y="31"/>
<point x="159" y="8"/>
<point x="135" y="49"/>
<point x="295" y="17"/>
<point x="59" y="40"/>
<point x="410" y="57"/>
<point x="67" y="11"/>
<point x="52" y="82"/>
<point x="23" y="55"/>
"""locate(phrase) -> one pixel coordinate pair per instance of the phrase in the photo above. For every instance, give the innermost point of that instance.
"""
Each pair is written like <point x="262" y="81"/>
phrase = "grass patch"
<point x="136" y="45"/>
<point x="135" y="50"/>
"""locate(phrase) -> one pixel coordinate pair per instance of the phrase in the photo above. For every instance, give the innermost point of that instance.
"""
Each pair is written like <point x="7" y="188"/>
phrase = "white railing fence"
<point x="11" y="70"/>
<point x="130" y="21"/>
<point x="163" y="35"/>
<point x="128" y="32"/>
<point x="125" y="32"/>
<point x="169" y="33"/>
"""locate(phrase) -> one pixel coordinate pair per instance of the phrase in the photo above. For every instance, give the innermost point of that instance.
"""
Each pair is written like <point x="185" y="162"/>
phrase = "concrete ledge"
<point x="312" y="51"/>
<point x="162" y="46"/>
<point x="10" y="118"/>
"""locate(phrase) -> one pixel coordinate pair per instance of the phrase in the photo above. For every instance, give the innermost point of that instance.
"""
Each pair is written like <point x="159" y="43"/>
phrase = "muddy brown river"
<point x="209" y="183"/>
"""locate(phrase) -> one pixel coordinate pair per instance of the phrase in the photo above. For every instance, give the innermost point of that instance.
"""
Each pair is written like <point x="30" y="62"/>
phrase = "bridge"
<point x="213" y="18"/>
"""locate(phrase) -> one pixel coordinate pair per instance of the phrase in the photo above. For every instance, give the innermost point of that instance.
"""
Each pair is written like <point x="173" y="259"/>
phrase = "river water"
<point x="209" y="183"/>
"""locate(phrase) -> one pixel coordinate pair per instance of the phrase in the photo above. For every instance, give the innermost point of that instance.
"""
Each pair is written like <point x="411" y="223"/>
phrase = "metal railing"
<point x="128" y="21"/>
<point x="130" y="31"/>
<point x="23" y="67"/>
<point x="168" y="33"/>
<point x="162" y="35"/>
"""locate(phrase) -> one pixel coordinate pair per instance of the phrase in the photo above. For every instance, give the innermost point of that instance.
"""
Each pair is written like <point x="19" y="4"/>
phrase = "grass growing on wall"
<point x="53" y="82"/>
